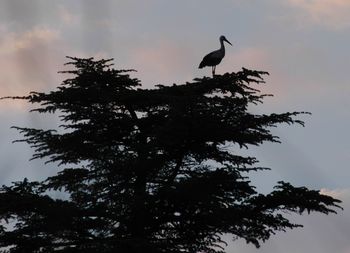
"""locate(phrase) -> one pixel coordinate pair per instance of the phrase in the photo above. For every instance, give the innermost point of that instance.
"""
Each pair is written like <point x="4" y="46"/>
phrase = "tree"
<point x="149" y="170"/>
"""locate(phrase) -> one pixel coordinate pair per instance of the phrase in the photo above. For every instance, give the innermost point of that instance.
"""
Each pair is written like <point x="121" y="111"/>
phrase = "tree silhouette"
<point x="149" y="170"/>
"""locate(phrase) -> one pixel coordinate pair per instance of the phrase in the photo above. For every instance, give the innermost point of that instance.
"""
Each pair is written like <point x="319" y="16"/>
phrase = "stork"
<point x="214" y="58"/>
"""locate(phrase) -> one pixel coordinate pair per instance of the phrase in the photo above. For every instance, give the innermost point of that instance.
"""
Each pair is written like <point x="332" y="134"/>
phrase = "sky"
<point x="303" y="44"/>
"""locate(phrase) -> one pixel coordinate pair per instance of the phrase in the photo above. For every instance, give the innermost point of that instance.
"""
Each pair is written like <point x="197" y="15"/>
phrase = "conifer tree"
<point x="149" y="170"/>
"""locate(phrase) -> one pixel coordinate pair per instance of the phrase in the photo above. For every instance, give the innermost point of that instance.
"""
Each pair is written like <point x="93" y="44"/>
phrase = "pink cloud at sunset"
<point x="332" y="13"/>
<point x="67" y="17"/>
<point x="29" y="60"/>
<point x="259" y="59"/>
<point x="13" y="42"/>
<point x="247" y="57"/>
<point x="164" y="63"/>
<point x="337" y="193"/>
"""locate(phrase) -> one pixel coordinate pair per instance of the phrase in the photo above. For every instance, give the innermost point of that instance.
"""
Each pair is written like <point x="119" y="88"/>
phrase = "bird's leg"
<point x="213" y="70"/>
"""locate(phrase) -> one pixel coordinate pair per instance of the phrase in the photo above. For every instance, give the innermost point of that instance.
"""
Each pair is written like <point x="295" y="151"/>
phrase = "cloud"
<point x="248" y="57"/>
<point x="29" y="60"/>
<point x="256" y="58"/>
<point x="333" y="14"/>
<point x="338" y="193"/>
<point x="164" y="63"/>
<point x="321" y="233"/>
<point x="67" y="17"/>
<point x="14" y="42"/>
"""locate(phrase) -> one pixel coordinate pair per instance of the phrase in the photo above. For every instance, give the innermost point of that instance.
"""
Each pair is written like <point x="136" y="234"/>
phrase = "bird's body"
<point x="214" y="58"/>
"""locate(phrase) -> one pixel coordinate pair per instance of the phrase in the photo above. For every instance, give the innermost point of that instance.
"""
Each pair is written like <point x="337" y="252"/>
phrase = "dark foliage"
<point x="149" y="170"/>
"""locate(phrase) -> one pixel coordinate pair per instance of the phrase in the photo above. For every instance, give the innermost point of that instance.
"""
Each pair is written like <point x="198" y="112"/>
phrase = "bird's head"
<point x="223" y="38"/>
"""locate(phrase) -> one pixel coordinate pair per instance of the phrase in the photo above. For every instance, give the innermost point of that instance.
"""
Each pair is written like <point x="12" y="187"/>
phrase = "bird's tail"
<point x="201" y="65"/>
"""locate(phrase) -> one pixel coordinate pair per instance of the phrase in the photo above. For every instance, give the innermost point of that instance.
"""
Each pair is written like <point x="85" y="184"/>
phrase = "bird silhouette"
<point x="214" y="58"/>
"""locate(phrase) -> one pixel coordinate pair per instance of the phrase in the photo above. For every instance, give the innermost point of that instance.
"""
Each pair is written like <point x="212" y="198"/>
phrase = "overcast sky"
<point x="304" y="44"/>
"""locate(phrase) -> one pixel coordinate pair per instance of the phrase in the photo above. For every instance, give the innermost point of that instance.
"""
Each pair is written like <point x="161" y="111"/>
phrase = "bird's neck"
<point x="222" y="47"/>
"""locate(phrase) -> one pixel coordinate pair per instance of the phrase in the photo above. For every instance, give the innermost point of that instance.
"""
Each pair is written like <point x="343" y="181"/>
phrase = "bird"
<point x="214" y="58"/>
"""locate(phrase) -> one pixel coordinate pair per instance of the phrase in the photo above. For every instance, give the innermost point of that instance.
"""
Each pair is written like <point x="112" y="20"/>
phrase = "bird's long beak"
<point x="227" y="41"/>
